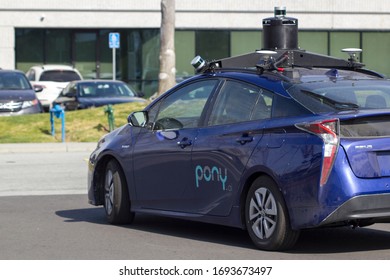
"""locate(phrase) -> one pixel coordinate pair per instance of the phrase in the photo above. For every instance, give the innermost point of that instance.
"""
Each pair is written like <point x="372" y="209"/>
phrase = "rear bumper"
<point x="374" y="207"/>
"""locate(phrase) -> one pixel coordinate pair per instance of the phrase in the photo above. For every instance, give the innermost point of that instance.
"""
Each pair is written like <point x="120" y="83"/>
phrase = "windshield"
<point x="322" y="97"/>
<point x="100" y="89"/>
<point x="13" y="81"/>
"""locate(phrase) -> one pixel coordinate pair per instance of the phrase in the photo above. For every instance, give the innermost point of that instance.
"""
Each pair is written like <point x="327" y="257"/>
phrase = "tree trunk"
<point x="167" y="75"/>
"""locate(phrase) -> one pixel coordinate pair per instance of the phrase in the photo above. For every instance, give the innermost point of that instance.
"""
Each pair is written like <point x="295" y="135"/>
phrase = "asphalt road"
<point x="44" y="215"/>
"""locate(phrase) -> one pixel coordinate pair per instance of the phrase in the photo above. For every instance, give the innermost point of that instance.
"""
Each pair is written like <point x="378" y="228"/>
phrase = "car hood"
<point x="21" y="95"/>
<point x="90" y="102"/>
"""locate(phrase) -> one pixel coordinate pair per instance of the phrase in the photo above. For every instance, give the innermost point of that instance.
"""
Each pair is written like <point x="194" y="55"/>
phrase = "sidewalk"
<point x="47" y="147"/>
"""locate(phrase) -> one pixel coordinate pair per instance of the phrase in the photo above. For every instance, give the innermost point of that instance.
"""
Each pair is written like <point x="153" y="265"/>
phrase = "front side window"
<point x="184" y="107"/>
<point x="240" y="102"/>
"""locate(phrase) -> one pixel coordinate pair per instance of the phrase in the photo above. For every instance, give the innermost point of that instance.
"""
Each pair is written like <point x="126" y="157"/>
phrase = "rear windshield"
<point x="322" y="97"/>
<point x="378" y="126"/>
<point x="60" y="76"/>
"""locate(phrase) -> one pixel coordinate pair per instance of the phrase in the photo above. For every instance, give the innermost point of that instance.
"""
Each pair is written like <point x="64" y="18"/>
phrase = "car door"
<point x="162" y="153"/>
<point x="223" y="148"/>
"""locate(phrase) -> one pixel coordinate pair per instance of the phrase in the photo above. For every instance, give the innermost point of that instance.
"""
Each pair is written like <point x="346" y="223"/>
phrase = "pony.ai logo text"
<point x="207" y="173"/>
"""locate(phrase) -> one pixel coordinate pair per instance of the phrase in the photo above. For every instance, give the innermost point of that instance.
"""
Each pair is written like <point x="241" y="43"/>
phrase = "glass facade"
<point x="137" y="60"/>
<point x="376" y="48"/>
<point x="242" y="42"/>
<point x="316" y="42"/>
<point x="211" y="44"/>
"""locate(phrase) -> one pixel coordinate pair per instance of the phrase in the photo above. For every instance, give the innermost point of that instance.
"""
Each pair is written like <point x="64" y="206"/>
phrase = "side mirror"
<point x="38" y="88"/>
<point x="138" y="119"/>
<point x="140" y="94"/>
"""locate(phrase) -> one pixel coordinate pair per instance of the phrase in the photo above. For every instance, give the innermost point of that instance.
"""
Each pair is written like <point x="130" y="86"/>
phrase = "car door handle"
<point x="245" y="138"/>
<point x="184" y="143"/>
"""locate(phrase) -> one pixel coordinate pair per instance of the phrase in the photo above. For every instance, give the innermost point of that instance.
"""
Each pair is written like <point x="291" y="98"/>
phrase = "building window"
<point x="376" y="48"/>
<point x="245" y="42"/>
<point x="212" y="44"/>
<point x="340" y="40"/>
<point x="185" y="52"/>
<point x="29" y="48"/>
<point x="57" y="46"/>
<point x="141" y="59"/>
<point x="313" y="41"/>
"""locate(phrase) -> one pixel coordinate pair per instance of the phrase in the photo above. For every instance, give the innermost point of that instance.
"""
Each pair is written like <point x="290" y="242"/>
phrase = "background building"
<point x="76" y="32"/>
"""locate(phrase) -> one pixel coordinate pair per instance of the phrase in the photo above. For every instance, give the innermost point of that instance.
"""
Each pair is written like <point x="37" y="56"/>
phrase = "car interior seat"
<point x="376" y="102"/>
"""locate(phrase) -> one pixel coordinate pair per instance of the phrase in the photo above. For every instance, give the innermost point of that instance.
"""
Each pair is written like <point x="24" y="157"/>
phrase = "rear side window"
<point x="240" y="102"/>
<point x="60" y="76"/>
<point x="287" y="107"/>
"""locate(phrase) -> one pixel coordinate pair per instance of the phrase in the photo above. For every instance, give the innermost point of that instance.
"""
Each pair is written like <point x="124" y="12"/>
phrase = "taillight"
<point x="328" y="131"/>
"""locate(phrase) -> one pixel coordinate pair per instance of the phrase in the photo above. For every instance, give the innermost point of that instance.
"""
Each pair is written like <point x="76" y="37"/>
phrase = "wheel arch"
<point x="266" y="235"/>
<point x="245" y="189"/>
<point x="99" y="175"/>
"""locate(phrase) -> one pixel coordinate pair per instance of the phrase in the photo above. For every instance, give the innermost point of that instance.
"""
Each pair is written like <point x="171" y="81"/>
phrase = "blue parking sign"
<point x="114" y="40"/>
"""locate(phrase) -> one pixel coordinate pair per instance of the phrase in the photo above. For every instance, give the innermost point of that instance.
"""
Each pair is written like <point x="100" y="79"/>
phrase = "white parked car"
<point x="52" y="79"/>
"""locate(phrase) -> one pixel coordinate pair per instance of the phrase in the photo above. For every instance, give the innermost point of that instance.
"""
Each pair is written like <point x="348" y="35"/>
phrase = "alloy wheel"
<point x="109" y="192"/>
<point x="263" y="213"/>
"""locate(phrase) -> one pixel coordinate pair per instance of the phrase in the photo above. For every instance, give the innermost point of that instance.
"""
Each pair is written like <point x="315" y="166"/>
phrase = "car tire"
<point x="266" y="217"/>
<point x="116" y="195"/>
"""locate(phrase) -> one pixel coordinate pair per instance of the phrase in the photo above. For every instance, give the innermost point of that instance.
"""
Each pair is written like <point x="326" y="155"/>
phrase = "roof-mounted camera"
<point x="198" y="63"/>
<point x="202" y="65"/>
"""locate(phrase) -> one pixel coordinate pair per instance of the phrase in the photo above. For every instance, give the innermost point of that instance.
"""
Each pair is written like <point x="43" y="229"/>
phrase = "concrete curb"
<point x="47" y="147"/>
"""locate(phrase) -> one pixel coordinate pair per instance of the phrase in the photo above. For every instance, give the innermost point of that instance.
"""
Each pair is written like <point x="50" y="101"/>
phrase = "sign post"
<point x="114" y="43"/>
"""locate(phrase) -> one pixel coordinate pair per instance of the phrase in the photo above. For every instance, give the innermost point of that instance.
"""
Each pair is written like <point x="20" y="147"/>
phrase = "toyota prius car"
<point x="273" y="142"/>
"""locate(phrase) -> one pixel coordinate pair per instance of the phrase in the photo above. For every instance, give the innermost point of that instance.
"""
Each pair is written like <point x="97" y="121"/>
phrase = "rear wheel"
<point x="116" y="195"/>
<point x="266" y="217"/>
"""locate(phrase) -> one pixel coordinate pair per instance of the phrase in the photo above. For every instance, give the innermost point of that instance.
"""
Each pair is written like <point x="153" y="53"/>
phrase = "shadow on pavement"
<point x="342" y="240"/>
<point x="315" y="241"/>
<point x="91" y="215"/>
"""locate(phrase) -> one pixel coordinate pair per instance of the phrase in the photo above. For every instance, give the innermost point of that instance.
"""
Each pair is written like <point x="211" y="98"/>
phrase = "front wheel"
<point x="116" y="195"/>
<point x="266" y="217"/>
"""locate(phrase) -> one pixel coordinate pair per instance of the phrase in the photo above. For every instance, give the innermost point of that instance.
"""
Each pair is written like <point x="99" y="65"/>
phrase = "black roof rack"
<point x="264" y="60"/>
<point x="287" y="58"/>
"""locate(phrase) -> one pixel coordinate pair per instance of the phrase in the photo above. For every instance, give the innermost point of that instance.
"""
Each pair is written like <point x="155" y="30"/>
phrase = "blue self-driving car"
<point x="273" y="142"/>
